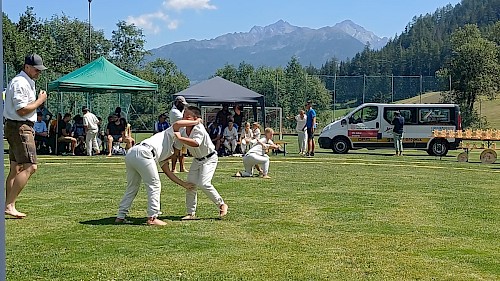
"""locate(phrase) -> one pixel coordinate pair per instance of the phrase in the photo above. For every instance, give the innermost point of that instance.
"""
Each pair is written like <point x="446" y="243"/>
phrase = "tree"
<point x="128" y="46"/>
<point x="475" y="69"/>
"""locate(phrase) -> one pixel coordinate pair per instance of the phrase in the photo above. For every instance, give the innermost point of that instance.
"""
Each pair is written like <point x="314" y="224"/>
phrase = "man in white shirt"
<point x="204" y="164"/>
<point x="230" y="137"/>
<point x="301" y="119"/>
<point x="91" y="125"/>
<point x="20" y="115"/>
<point x="142" y="165"/>
<point x="176" y="114"/>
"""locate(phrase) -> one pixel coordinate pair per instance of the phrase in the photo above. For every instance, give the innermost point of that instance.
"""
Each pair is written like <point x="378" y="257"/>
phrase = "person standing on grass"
<point x="301" y="119"/>
<point x="141" y="164"/>
<point x="204" y="163"/>
<point x="21" y="104"/>
<point x="310" y="127"/>
<point x="257" y="156"/>
<point x="397" y="131"/>
<point x="91" y="126"/>
<point x="176" y="114"/>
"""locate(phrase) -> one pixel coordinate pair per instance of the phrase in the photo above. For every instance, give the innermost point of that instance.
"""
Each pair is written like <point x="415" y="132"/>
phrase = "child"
<point x="246" y="138"/>
<point x="141" y="163"/>
<point x="256" y="131"/>
<point x="204" y="163"/>
<point x="230" y="137"/>
<point x="257" y="156"/>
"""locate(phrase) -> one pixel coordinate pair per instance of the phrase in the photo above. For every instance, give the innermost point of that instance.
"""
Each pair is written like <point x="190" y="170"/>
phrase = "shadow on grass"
<point x="137" y="221"/>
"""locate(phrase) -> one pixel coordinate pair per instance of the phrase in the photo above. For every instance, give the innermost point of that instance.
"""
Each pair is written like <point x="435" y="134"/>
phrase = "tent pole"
<point x="263" y="107"/>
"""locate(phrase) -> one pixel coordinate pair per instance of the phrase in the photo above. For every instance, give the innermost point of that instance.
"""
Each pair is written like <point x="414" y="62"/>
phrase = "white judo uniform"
<point x="202" y="169"/>
<point x="257" y="156"/>
<point x="142" y="164"/>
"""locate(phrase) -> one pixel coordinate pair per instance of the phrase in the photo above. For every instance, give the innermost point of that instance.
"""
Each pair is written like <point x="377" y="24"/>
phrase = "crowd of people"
<point x="82" y="134"/>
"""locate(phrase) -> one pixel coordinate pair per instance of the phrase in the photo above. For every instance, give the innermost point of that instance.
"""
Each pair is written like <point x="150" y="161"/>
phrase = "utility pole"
<point x="90" y="35"/>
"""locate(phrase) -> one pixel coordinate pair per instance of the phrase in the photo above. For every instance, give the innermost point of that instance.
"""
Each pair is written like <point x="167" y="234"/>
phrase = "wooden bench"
<point x="283" y="145"/>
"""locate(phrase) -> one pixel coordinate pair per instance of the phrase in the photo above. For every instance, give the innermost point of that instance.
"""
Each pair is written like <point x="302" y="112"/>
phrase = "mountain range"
<point x="271" y="45"/>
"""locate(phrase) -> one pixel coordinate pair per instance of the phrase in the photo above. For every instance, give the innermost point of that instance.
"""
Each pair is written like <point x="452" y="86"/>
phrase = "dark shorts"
<point x="21" y="138"/>
<point x="116" y="138"/>
<point x="310" y="134"/>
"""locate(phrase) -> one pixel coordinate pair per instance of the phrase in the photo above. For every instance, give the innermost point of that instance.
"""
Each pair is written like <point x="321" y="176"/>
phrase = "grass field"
<point x="361" y="216"/>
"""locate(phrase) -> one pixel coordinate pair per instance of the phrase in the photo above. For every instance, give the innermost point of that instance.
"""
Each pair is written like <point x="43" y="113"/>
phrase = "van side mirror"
<point x="343" y="122"/>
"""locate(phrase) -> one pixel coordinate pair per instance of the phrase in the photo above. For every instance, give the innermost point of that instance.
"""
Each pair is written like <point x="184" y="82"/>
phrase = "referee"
<point x="21" y="104"/>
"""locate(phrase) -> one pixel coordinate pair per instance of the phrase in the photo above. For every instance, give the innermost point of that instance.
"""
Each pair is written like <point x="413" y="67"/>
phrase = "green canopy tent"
<point x="99" y="77"/>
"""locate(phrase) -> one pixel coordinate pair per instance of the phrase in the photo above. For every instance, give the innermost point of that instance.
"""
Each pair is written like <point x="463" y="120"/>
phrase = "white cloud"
<point x="153" y="22"/>
<point x="189" y="4"/>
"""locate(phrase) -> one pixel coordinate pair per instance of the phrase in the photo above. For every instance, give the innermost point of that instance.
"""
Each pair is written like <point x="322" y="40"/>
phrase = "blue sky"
<point x="167" y="21"/>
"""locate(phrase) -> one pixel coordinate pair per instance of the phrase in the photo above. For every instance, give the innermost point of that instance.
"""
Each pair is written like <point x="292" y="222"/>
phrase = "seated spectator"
<point x="46" y="114"/>
<point x="64" y="132"/>
<point x="101" y="135"/>
<point x="78" y="128"/>
<point x="246" y="138"/>
<point x="162" y="124"/>
<point x="230" y="137"/>
<point x="215" y="132"/>
<point x="41" y="134"/>
<point x="116" y="132"/>
<point x="256" y="131"/>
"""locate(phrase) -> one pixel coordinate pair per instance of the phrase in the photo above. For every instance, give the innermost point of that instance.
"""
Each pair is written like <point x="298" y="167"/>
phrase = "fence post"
<point x="334" y="95"/>
<point x="421" y="86"/>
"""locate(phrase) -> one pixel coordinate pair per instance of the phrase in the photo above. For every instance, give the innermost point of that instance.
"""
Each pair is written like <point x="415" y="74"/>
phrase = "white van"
<point x="369" y="126"/>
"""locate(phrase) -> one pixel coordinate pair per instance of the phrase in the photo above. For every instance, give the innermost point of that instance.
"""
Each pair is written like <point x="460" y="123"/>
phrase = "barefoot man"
<point x="20" y="115"/>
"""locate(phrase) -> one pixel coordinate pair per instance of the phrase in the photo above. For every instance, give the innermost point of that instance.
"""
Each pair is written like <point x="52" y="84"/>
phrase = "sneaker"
<point x="311" y="154"/>
<point x="307" y="154"/>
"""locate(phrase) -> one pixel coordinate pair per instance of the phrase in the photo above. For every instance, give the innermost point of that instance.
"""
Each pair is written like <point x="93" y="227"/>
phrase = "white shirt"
<point x="256" y="134"/>
<point x="301" y="123"/>
<point x="91" y="122"/>
<point x="163" y="144"/>
<point x="175" y="115"/>
<point x="20" y="93"/>
<point x="247" y="134"/>
<point x="200" y="135"/>
<point x="261" y="149"/>
<point x="230" y="134"/>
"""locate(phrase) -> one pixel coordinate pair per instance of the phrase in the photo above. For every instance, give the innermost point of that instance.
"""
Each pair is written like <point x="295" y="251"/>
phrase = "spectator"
<point x="101" y="134"/>
<point x="310" y="127"/>
<point x="64" y="132"/>
<point x="238" y="117"/>
<point x="120" y="113"/>
<point x="46" y="114"/>
<point x="115" y="131"/>
<point x="176" y="114"/>
<point x="223" y="116"/>
<point x="256" y="131"/>
<point x="91" y="127"/>
<point x="246" y="138"/>
<point x="162" y="124"/>
<point x="230" y="137"/>
<point x="397" y="131"/>
<point x="215" y="132"/>
<point x="301" y="131"/>
<point x="78" y="130"/>
<point x="41" y="133"/>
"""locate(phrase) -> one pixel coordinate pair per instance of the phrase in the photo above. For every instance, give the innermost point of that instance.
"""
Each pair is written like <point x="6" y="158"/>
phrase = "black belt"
<point x="206" y="157"/>
<point x="150" y="147"/>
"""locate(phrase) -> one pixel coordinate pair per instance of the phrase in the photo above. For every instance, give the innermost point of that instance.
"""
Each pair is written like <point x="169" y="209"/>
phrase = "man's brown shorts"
<point x="21" y="138"/>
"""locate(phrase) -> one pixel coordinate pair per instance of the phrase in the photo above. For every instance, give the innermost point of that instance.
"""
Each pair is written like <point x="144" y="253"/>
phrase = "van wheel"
<point x="340" y="146"/>
<point x="438" y="148"/>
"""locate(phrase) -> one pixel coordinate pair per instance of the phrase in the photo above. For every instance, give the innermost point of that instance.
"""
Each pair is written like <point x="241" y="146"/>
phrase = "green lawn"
<point x="362" y="216"/>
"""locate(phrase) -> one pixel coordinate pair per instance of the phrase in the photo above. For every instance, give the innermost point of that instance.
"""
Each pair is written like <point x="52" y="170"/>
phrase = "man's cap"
<point x="35" y="61"/>
<point x="38" y="113"/>
<point x="181" y="99"/>
<point x="85" y="108"/>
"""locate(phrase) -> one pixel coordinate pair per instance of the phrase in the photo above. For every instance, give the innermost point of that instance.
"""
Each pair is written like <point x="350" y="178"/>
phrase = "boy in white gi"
<point x="257" y="156"/>
<point x="204" y="163"/>
<point x="141" y="164"/>
<point x="230" y="137"/>
<point x="246" y="137"/>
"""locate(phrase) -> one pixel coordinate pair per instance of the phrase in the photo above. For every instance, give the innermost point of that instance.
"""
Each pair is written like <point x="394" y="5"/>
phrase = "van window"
<point x="365" y="114"/>
<point x="410" y="115"/>
<point x="434" y="115"/>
